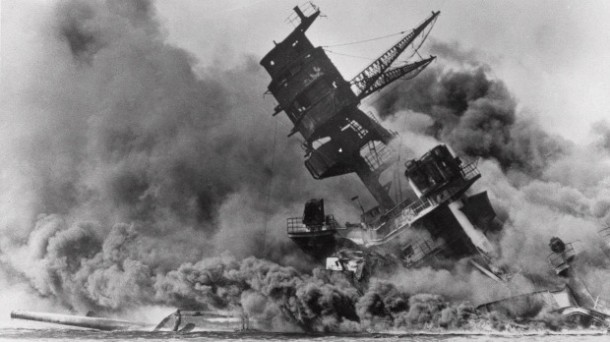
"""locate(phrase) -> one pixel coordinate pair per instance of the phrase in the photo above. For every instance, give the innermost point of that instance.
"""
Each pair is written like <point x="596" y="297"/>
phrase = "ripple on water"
<point x="42" y="335"/>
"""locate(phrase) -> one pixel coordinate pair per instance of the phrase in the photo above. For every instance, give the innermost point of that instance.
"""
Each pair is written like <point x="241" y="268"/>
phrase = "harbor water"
<point x="42" y="335"/>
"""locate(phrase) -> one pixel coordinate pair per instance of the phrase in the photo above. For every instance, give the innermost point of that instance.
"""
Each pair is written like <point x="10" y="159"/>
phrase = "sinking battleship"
<point x="444" y="221"/>
<point x="441" y="222"/>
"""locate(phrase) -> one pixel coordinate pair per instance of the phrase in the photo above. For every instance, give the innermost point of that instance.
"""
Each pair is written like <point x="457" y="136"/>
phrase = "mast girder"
<point x="393" y="74"/>
<point x="371" y="73"/>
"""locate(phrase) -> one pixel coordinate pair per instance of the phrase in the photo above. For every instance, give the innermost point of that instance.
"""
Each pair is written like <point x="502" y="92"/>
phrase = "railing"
<point x="361" y="131"/>
<point x="295" y="225"/>
<point x="404" y="217"/>
<point x="411" y="210"/>
<point x="308" y="10"/>
<point x="376" y="155"/>
<point x="423" y="249"/>
<point x="470" y="171"/>
<point x="374" y="118"/>
<point x="421" y="205"/>
<point x="406" y="213"/>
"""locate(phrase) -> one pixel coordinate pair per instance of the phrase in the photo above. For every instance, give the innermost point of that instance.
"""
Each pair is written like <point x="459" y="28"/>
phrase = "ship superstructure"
<point x="441" y="221"/>
<point x="339" y="138"/>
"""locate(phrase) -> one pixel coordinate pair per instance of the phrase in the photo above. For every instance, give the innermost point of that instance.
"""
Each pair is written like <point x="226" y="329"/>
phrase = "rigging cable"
<point x="347" y="55"/>
<point x="423" y="40"/>
<point x="365" y="40"/>
<point x="378" y="38"/>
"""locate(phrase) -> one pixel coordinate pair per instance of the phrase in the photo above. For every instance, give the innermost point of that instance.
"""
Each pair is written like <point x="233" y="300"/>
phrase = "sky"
<point x="552" y="54"/>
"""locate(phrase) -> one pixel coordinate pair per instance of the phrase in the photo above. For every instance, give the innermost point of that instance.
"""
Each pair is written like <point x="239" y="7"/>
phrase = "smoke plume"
<point x="476" y="115"/>
<point x="540" y="184"/>
<point x="132" y="176"/>
<point x="124" y="159"/>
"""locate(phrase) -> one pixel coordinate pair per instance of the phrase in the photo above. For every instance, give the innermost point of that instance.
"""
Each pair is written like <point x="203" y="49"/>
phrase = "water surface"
<point x="41" y="335"/>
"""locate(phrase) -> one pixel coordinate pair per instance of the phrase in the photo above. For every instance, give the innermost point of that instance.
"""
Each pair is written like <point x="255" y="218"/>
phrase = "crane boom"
<point x="371" y="73"/>
<point x="393" y="74"/>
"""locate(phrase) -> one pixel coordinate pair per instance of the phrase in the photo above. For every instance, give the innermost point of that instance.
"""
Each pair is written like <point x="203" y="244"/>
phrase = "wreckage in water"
<point x="179" y="321"/>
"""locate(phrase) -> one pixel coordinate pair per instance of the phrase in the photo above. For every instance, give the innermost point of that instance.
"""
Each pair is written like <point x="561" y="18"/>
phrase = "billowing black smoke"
<point x="126" y="159"/>
<point x="476" y="115"/>
<point x="130" y="168"/>
<point x="542" y="185"/>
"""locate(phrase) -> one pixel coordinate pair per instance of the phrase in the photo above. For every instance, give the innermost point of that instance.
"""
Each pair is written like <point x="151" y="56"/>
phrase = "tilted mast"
<point x="445" y="221"/>
<point x="323" y="106"/>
